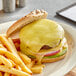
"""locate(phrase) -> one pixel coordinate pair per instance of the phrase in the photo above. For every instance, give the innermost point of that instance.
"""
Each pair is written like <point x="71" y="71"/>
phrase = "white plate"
<point x="58" y="68"/>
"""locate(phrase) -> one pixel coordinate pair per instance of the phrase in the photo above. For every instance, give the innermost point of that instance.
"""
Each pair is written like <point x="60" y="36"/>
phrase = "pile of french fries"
<point x="13" y="62"/>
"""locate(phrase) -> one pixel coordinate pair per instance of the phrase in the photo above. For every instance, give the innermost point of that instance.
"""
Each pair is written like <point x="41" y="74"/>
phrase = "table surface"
<point x="51" y="6"/>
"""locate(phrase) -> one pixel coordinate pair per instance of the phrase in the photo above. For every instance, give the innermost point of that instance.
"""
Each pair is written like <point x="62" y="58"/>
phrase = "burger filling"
<point x="42" y="39"/>
<point x="45" y="52"/>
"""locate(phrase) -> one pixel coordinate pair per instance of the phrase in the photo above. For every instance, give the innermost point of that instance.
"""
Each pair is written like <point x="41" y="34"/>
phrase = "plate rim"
<point x="71" y="27"/>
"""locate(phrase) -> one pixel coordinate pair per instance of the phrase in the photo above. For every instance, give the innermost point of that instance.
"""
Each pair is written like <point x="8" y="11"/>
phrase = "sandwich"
<point x="39" y="38"/>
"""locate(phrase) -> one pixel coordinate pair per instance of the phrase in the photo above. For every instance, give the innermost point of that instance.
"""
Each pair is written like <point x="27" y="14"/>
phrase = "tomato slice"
<point x="52" y="53"/>
<point x="17" y="43"/>
<point x="16" y="40"/>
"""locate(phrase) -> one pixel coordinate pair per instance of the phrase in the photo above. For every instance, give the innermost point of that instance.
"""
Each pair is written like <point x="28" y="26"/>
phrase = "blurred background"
<point x="51" y="6"/>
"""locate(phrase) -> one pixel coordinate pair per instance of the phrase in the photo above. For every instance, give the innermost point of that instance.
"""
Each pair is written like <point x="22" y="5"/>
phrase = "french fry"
<point x="30" y="64"/>
<point x="10" y="56"/>
<point x="10" y="47"/>
<point x="1" y="74"/>
<point x="40" y="65"/>
<point x="24" y="58"/>
<point x="24" y="67"/>
<point x="18" y="67"/>
<point x="13" y="64"/>
<point x="3" y="49"/>
<point x="4" y="40"/>
<point x="13" y="71"/>
<point x="5" y="61"/>
<point x="13" y="75"/>
<point x="6" y="74"/>
<point x="0" y="62"/>
<point x="14" y="49"/>
<point x="16" y="60"/>
<point x="37" y="69"/>
<point x="1" y="46"/>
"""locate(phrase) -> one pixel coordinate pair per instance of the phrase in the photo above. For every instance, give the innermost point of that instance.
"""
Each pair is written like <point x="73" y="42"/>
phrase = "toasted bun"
<point x="50" y="60"/>
<point x="34" y="15"/>
<point x="13" y="31"/>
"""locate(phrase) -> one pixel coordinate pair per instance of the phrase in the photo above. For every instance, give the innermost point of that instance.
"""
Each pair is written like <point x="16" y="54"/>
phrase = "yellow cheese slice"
<point x="39" y="33"/>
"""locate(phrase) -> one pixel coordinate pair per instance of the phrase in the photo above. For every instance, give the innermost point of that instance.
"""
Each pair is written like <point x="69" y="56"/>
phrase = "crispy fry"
<point x="30" y="64"/>
<point x="5" y="61"/>
<point x="18" y="67"/>
<point x="16" y="60"/>
<point x="6" y="74"/>
<point x="10" y="56"/>
<point x="4" y="40"/>
<point x="12" y="49"/>
<point x="13" y="71"/>
<point x="24" y="58"/>
<point x="1" y="46"/>
<point x="1" y="74"/>
<point x="2" y="49"/>
<point x="0" y="62"/>
<point x="24" y="67"/>
<point x="41" y="65"/>
<point x="13" y="75"/>
<point x="37" y="69"/>
<point x="13" y="64"/>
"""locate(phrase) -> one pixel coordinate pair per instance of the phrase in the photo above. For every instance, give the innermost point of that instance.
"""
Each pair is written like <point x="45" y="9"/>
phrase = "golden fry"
<point x="23" y="66"/>
<point x="1" y="46"/>
<point x="5" y="41"/>
<point x="6" y="74"/>
<point x="37" y="69"/>
<point x="30" y="64"/>
<point x="13" y="71"/>
<point x="16" y="60"/>
<point x="5" y="61"/>
<point x="1" y="74"/>
<point x="13" y="64"/>
<point x="0" y="62"/>
<point x="24" y="58"/>
<point x="18" y="67"/>
<point x="2" y="49"/>
<point x="40" y="65"/>
<point x="10" y="56"/>
<point x="14" y="51"/>
<point x="13" y="75"/>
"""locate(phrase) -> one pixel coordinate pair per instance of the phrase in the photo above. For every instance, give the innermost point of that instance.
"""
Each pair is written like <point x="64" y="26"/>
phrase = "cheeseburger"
<point x="39" y="38"/>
